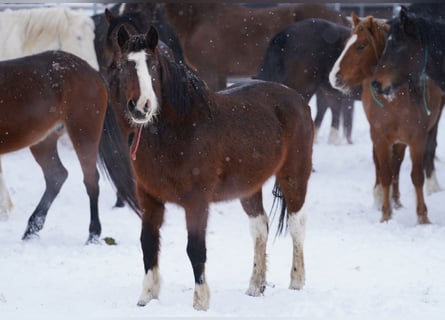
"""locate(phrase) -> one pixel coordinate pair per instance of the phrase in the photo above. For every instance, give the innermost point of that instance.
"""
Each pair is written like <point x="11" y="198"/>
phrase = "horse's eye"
<point x="360" y="47"/>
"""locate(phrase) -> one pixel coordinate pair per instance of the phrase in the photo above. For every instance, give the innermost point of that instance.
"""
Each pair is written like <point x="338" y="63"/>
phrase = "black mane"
<point x="181" y="87"/>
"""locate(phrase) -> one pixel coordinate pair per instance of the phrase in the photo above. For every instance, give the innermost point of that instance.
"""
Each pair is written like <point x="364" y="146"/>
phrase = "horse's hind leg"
<point x="322" y="106"/>
<point x="347" y="112"/>
<point x="86" y="146"/>
<point x="432" y="185"/>
<point x="292" y="180"/>
<point x="5" y="199"/>
<point x="46" y="155"/>
<point x="259" y="229"/>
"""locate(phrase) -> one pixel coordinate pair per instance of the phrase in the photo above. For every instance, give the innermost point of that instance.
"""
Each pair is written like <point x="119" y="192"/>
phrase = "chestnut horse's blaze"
<point x="204" y="147"/>
<point x="410" y="118"/>
<point x="47" y="92"/>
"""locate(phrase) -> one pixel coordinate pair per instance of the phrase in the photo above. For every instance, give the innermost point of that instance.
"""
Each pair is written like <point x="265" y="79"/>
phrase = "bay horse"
<point x="191" y="147"/>
<point x="410" y="118"/>
<point x="40" y="94"/>
<point x="301" y="57"/>
<point x="415" y="49"/>
<point x="28" y="31"/>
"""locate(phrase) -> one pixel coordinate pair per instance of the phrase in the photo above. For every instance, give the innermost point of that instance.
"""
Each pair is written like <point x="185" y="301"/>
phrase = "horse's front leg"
<point x="196" y="217"/>
<point x="418" y="179"/>
<point x="152" y="218"/>
<point x="383" y="157"/>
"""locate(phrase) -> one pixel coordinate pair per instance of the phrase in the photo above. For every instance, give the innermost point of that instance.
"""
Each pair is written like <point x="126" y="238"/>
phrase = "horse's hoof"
<point x="423" y="220"/>
<point x="93" y="239"/>
<point x="201" y="297"/>
<point x="296" y="284"/>
<point x="141" y="303"/>
<point x="119" y="204"/>
<point x="4" y="216"/>
<point x="397" y="205"/>
<point x="30" y="236"/>
<point x="385" y="219"/>
<point x="254" y="291"/>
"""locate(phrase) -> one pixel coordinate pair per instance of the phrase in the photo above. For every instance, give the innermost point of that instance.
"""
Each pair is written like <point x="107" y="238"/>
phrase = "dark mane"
<point x="432" y="35"/>
<point x="182" y="89"/>
<point x="431" y="32"/>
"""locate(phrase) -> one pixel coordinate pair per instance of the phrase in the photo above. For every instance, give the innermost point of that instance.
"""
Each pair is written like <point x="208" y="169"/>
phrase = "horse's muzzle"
<point x="137" y="115"/>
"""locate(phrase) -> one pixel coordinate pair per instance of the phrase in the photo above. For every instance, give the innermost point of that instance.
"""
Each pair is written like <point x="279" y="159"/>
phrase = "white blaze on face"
<point x="147" y="93"/>
<point x="336" y="67"/>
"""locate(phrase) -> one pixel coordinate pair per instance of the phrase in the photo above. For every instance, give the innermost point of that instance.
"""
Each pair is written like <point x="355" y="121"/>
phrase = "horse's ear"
<point x="109" y="16"/>
<point x="406" y="21"/>
<point x="355" y="19"/>
<point x="122" y="36"/>
<point x="152" y="38"/>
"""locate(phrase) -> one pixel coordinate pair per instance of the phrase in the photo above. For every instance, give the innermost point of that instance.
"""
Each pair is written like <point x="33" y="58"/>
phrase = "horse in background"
<point x="415" y="49"/>
<point x="40" y="95"/>
<point x="192" y="146"/>
<point x="221" y="40"/>
<point x="25" y="32"/>
<point x="409" y="118"/>
<point x="139" y="17"/>
<point x="301" y="57"/>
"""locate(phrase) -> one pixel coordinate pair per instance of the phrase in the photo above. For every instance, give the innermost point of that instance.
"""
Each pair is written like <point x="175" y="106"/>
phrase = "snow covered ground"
<point x="356" y="267"/>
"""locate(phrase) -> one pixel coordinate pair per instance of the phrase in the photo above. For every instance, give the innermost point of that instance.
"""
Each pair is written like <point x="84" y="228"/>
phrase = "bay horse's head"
<point x="404" y="56"/>
<point x="139" y="74"/>
<point x="360" y="54"/>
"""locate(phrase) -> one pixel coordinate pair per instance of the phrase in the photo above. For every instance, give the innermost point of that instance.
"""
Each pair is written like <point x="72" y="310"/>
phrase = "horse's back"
<point x="280" y="103"/>
<point x="302" y="54"/>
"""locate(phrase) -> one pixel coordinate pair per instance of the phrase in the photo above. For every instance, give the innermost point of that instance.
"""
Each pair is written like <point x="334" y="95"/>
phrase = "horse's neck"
<point x="380" y="35"/>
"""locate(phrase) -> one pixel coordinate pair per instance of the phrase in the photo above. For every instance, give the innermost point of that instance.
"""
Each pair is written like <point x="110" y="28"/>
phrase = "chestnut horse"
<point x="192" y="147"/>
<point x="415" y="49"/>
<point x="39" y="96"/>
<point x="301" y="57"/>
<point x="410" y="118"/>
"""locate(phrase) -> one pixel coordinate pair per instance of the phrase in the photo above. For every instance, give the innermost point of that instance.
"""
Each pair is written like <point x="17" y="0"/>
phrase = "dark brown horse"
<point x="220" y="40"/>
<point x="301" y="57"/>
<point x="415" y="49"/>
<point x="192" y="147"/>
<point x="39" y="96"/>
<point x="409" y="118"/>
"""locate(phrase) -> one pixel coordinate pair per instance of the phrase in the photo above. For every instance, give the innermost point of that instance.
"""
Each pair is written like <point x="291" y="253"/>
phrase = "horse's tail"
<point x="279" y="201"/>
<point x="272" y="67"/>
<point x="114" y="160"/>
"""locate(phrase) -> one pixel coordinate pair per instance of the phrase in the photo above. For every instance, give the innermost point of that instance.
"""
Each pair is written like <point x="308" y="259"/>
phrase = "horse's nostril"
<point x="131" y="104"/>
<point x="147" y="106"/>
<point x="376" y="85"/>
